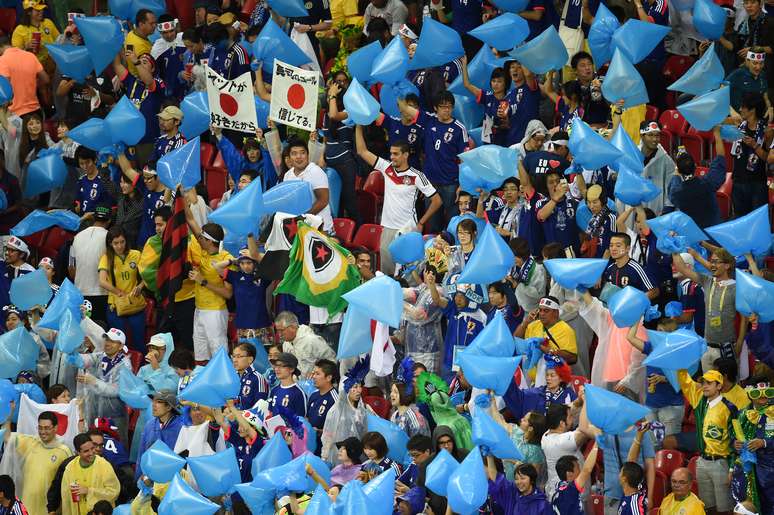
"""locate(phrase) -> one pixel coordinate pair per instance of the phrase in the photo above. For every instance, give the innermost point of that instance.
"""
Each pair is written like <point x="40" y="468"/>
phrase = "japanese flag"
<point x="232" y="103"/>
<point x="294" y="96"/>
<point x="67" y="418"/>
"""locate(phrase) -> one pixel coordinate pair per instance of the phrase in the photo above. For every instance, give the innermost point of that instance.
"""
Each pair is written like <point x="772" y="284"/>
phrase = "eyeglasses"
<point x="761" y="392"/>
<point x="238" y="356"/>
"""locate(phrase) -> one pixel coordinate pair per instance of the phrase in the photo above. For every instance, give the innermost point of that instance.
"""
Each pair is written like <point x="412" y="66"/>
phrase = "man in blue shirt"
<point x="623" y="271"/>
<point x="227" y="58"/>
<point x="405" y="129"/>
<point x="325" y="376"/>
<point x="616" y="453"/>
<point x="572" y="478"/>
<point x="170" y="138"/>
<point x="525" y="100"/>
<point x="146" y="93"/>
<point x="253" y="387"/>
<point x="287" y="393"/>
<point x="94" y="186"/>
<point x="154" y="195"/>
<point x="539" y="163"/>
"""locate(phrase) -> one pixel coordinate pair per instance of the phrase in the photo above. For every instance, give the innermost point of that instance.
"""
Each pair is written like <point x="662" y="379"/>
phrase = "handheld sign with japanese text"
<point x="294" y="96"/>
<point x="232" y="104"/>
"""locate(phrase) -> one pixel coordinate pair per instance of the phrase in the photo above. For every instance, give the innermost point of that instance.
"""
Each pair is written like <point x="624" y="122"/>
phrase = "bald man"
<point x="681" y="501"/>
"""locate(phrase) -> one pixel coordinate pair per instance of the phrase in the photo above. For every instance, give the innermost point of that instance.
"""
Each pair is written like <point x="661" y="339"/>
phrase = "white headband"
<point x="741" y="510"/>
<point x="545" y="302"/>
<point x="207" y="236"/>
<point x="167" y="25"/>
<point x="650" y="127"/>
<point x="756" y="56"/>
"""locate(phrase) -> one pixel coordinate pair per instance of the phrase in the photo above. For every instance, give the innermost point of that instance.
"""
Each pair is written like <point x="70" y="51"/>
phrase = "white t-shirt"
<point x="88" y="247"/>
<point x="315" y="176"/>
<point x="400" y="194"/>
<point x="556" y="445"/>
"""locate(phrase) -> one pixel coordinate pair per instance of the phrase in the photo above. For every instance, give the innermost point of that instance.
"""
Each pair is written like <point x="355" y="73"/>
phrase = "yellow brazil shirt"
<point x="140" y="45"/>
<point x="204" y="297"/>
<point x="713" y="418"/>
<point x="691" y="505"/>
<point x="125" y="272"/>
<point x="22" y="35"/>
<point x="738" y="396"/>
<point x="564" y="335"/>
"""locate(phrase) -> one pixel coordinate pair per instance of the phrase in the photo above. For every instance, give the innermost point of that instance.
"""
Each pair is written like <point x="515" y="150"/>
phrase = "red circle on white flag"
<point x="296" y="96"/>
<point x="228" y="104"/>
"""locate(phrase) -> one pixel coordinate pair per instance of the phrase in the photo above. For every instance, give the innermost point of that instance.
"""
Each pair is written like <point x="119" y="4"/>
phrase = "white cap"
<point x="116" y="335"/>
<point x="17" y="243"/>
<point x="157" y="340"/>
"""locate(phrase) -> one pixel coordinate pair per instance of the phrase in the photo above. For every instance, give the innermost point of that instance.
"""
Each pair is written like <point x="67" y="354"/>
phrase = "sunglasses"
<point x="764" y="392"/>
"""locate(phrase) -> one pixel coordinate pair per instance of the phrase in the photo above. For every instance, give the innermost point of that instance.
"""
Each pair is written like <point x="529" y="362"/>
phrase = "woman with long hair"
<point x="118" y="274"/>
<point x="33" y="140"/>
<point x="35" y="31"/>
<point x="129" y="211"/>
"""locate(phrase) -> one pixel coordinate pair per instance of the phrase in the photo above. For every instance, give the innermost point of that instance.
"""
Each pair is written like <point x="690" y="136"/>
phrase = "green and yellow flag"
<point x="319" y="272"/>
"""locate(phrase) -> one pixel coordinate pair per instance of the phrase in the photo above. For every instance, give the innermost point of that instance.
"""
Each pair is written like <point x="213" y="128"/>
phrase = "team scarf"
<point x="107" y="363"/>
<point x="526" y="270"/>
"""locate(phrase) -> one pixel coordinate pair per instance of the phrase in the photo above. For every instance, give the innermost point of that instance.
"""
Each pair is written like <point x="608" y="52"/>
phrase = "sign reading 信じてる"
<point x="294" y="96"/>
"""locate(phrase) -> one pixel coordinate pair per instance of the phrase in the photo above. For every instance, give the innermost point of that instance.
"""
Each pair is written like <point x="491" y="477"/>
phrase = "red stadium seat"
<point x="598" y="504"/>
<point x="659" y="488"/>
<point x="218" y="162"/>
<point x="216" y="182"/>
<point x="375" y="183"/>
<point x="701" y="171"/>
<point x="668" y="460"/>
<point x="694" y="145"/>
<point x="667" y="140"/>
<point x="672" y="120"/>
<point x="7" y="19"/>
<point x="379" y="404"/>
<point x="724" y="203"/>
<point x="137" y="359"/>
<point x="367" y="205"/>
<point x="676" y="66"/>
<point x="651" y="113"/>
<point x="208" y="152"/>
<point x="692" y="465"/>
<point x="368" y="236"/>
<point x="345" y="229"/>
<point x="578" y="381"/>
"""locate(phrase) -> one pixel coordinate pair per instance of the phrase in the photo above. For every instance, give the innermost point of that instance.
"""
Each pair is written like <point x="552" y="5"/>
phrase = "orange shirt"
<point x="21" y="69"/>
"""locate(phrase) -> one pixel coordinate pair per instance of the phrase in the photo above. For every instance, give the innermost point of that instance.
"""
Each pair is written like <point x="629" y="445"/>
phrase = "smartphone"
<point x="130" y="48"/>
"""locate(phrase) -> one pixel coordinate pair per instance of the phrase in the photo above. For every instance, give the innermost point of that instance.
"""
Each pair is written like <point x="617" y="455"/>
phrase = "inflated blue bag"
<point x="319" y="504"/>
<point x="262" y="109"/>
<point x="623" y="82"/>
<point x="355" y="336"/>
<point x="103" y="38"/>
<point x="492" y="163"/>
<point x="73" y="61"/>
<point x="475" y="135"/>
<point x="390" y="93"/>
<point x="469" y="112"/>
<point x="511" y="6"/>
<point x="39" y="220"/>
<point x="576" y="273"/>
<point x="634" y="189"/>
<point x="495" y="339"/>
<point x="589" y="149"/>
<point x="216" y="474"/>
<point x="289" y="8"/>
<point x="754" y="295"/>
<point x="182" y="166"/>
<point x="6" y="91"/>
<point x="334" y="190"/>
<point x="196" y="114"/>
<point x="395" y="436"/>
<point x="471" y="181"/>
<point x="274" y="453"/>
<point x="491" y="436"/>
<point x="217" y="382"/>
<point x="273" y="43"/>
<point x="703" y="76"/>
<point x="543" y="53"/>
<point x="92" y="134"/>
<point x="259" y="500"/>
<point x="125" y="122"/>
<point x="708" y="110"/>
<point x="479" y="72"/>
<point x="69" y="297"/>
<point x="360" y="61"/>
<point x="181" y="498"/>
<point x="627" y="306"/>
<point x="611" y="412"/>
<point x="158" y="7"/>
<point x="30" y="290"/>
<point x="133" y="391"/>
<point x="438" y="44"/>
<point x="490" y="261"/>
<point x="241" y="214"/>
<point x="731" y="133"/>
<point x="70" y="336"/>
<point x="709" y="19"/>
<point x="407" y="248"/>
<point x="293" y="197"/>
<point x="503" y="32"/>
<point x="18" y="351"/>
<point x="121" y="9"/>
<point x="439" y="471"/>
<point x="468" y="487"/>
<point x="681" y="349"/>
<point x="45" y="173"/>
<point x="362" y="108"/>
<point x="392" y="63"/>
<point x="601" y="35"/>
<point x="631" y="156"/>
<point x="380" y="492"/>
<point x="530" y="350"/>
<point x="677" y="223"/>
<point x="636" y="39"/>
<point x="381" y="297"/>
<point x="160" y="463"/>
<point x="748" y="233"/>
<point x="488" y="373"/>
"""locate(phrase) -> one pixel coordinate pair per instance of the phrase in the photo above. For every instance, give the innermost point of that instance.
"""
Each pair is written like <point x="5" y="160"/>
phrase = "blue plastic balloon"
<point x="293" y="197"/>
<point x="601" y="35"/>
<point x="7" y="394"/>
<point x="380" y="492"/>
<point x="511" y="6"/>
<point x="438" y="44"/>
<point x="468" y="487"/>
<point x="610" y="412"/>
<point x="471" y="181"/>
<point x="636" y="39"/>
<point x="45" y="173"/>
<point x="30" y="290"/>
<point x="133" y="390"/>
<point x="491" y="436"/>
<point x="360" y="105"/>
<point x="360" y="61"/>
<point x="355" y="336"/>
<point x="182" y="166"/>
<point x="748" y="233"/>
<point x="495" y="339"/>
<point x="217" y="382"/>
<point x="469" y="112"/>
<point x="392" y="63"/>
<point x="125" y="122"/>
<point x="216" y="474"/>
<point x="627" y="306"/>
<point x="68" y="298"/>
<point x="103" y="38"/>
<point x="121" y="9"/>
<point x="157" y="6"/>
<point x="354" y="502"/>
<point x="589" y="149"/>
<point x="681" y="349"/>
<point x="18" y="351"/>
<point x="381" y="297"/>
<point x="93" y="134"/>
<point x="754" y="295"/>
<point x="289" y="8"/>
<point x="705" y="75"/>
<point x="708" y="110"/>
<point x="273" y="43"/>
<point x="31" y="390"/>
<point x="39" y="220"/>
<point x="241" y="214"/>
<point x="678" y="223"/>
<point x="160" y="463"/>
<point x="73" y="61"/>
<point x="70" y="336"/>
<point x="492" y="163"/>
<point x="634" y="189"/>
<point x="334" y="190"/>
<point x="475" y="135"/>
<point x="623" y="82"/>
<point x="262" y="108"/>
<point x="438" y="472"/>
<point x="490" y="261"/>
<point x="181" y="498"/>
<point x="503" y="32"/>
<point x="390" y="93"/>
<point x="488" y="373"/>
<point x="292" y="476"/>
<point x="260" y="501"/>
<point x="530" y="350"/>
<point x="407" y="248"/>
<point x="479" y="71"/>
<point x="731" y="133"/>
<point x="196" y="114"/>
<point x="6" y="91"/>
<point x="395" y="436"/>
<point x="709" y="19"/>
<point x="631" y="156"/>
<point x="320" y="504"/>
<point x="543" y="53"/>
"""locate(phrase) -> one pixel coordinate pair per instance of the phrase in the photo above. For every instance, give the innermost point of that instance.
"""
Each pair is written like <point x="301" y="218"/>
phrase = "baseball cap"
<point x="286" y="359"/>
<point x="713" y="376"/>
<point x="34" y="4"/>
<point x="158" y="340"/>
<point x="167" y="396"/>
<point x="116" y="335"/>
<point x="353" y="446"/>
<point x="171" y="112"/>
<point x="17" y="243"/>
<point x="102" y="212"/>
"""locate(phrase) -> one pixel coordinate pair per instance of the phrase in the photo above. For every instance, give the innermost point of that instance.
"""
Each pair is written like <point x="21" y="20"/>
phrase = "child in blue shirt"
<point x="287" y="393"/>
<point x="249" y="293"/>
<point x="567" y="496"/>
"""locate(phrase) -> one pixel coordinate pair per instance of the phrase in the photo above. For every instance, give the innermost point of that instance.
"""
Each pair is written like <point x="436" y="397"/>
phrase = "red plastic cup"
<point x="189" y="67"/>
<point x="36" y="41"/>
<point x="75" y="493"/>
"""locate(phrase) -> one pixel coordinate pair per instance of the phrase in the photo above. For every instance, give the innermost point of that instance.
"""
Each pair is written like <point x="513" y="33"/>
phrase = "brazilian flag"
<point x="319" y="272"/>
